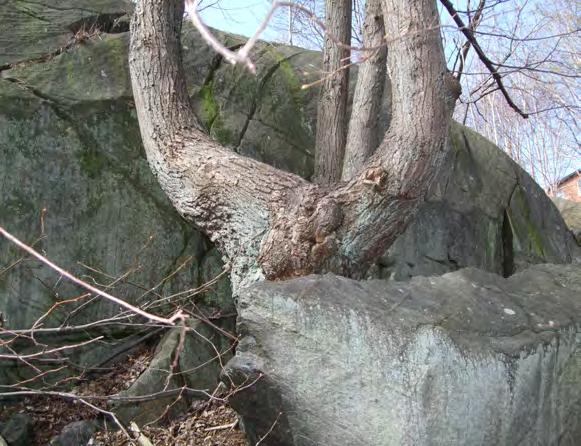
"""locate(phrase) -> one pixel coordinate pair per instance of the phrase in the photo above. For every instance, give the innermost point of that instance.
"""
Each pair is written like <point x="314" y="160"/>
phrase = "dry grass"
<point x="216" y="425"/>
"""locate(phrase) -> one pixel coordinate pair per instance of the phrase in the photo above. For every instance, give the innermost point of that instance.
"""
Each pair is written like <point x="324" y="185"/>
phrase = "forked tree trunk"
<point x="332" y="107"/>
<point x="272" y="223"/>
<point x="363" y="133"/>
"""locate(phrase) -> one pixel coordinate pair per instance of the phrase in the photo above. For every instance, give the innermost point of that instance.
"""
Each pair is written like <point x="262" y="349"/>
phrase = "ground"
<point x="205" y="425"/>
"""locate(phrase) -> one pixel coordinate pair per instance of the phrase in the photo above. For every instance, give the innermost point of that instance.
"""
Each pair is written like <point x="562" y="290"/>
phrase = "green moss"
<point x="290" y="77"/>
<point x="456" y="138"/>
<point x="526" y="235"/>
<point x="491" y="239"/>
<point x="18" y="204"/>
<point x="209" y="109"/>
<point x="92" y="162"/>
<point x="224" y="135"/>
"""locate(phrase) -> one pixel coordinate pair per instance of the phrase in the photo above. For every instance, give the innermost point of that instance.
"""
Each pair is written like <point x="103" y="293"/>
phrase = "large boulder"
<point x="467" y="358"/>
<point x="485" y="211"/>
<point x="73" y="168"/>
<point x="185" y="367"/>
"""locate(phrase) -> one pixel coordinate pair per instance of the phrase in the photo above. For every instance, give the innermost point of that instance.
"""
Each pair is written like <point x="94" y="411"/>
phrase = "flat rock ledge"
<point x="468" y="358"/>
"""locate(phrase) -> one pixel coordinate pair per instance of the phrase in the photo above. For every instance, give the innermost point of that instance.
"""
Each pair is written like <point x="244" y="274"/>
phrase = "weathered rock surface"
<point x="78" y="433"/>
<point x="18" y="431"/>
<point x="571" y="212"/>
<point x="194" y="376"/>
<point x="73" y="172"/>
<point x="467" y="358"/>
<point x="485" y="212"/>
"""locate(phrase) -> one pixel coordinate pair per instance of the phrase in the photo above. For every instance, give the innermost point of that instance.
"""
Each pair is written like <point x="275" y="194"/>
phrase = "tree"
<point x="274" y="224"/>
<point x="531" y="47"/>
<point x="332" y="106"/>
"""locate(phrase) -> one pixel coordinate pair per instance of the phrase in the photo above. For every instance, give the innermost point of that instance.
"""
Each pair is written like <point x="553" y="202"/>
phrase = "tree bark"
<point x="274" y="224"/>
<point x="225" y="195"/>
<point x="363" y="134"/>
<point x="332" y="107"/>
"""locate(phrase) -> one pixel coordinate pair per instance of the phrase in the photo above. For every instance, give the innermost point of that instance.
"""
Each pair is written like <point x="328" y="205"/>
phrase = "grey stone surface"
<point x="467" y="358"/>
<point x="485" y="212"/>
<point x="78" y="433"/>
<point x="18" y="431"/>
<point x="70" y="145"/>
<point x="571" y="212"/>
<point x="33" y="29"/>
<point x="204" y="350"/>
<point x="74" y="182"/>
<point x="158" y="377"/>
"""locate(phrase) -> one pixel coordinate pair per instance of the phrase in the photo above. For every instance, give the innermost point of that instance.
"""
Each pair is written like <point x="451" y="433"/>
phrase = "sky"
<point x="237" y="16"/>
<point x="244" y="16"/>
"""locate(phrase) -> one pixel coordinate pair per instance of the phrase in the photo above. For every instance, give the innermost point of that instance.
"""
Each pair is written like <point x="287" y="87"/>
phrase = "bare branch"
<point x="469" y="34"/>
<point x="171" y="321"/>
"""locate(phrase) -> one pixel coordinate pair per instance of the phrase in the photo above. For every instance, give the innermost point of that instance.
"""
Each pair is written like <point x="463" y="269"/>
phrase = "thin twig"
<point x="179" y="315"/>
<point x="469" y="34"/>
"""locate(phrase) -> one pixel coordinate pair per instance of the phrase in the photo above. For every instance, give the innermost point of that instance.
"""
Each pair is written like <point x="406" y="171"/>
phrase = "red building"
<point x="570" y="187"/>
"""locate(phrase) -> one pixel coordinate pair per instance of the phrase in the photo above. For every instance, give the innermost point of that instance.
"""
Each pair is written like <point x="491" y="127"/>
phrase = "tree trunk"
<point x="332" y="106"/>
<point x="274" y="224"/>
<point x="363" y="134"/>
<point x="225" y="195"/>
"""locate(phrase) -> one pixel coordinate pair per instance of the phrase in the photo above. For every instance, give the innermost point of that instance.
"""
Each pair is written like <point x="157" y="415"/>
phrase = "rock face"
<point x="78" y="433"/>
<point x="194" y="375"/>
<point x="571" y="212"/>
<point x="18" y="431"/>
<point x="74" y="181"/>
<point x="464" y="359"/>
<point x="73" y="169"/>
<point x="485" y="212"/>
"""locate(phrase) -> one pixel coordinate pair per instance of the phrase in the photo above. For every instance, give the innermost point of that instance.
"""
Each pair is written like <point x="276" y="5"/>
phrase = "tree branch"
<point x="271" y="223"/>
<point x="469" y="34"/>
<point x="473" y="24"/>
<point x="168" y="321"/>
<point x="363" y="133"/>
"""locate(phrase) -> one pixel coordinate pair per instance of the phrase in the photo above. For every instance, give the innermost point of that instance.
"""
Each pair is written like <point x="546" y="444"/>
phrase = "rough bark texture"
<point x="224" y="194"/>
<point x="363" y="134"/>
<point x="332" y="108"/>
<point x="272" y="223"/>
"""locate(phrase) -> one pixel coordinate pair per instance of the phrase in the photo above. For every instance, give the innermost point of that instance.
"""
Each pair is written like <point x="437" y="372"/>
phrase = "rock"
<point x="538" y="231"/>
<point x="68" y="129"/>
<point x="18" y="431"/>
<point x="467" y="358"/>
<point x="204" y="351"/>
<point x="73" y="169"/>
<point x="3" y="442"/>
<point x="571" y="212"/>
<point x="485" y="212"/>
<point x="38" y="29"/>
<point x="157" y="378"/>
<point x="78" y="433"/>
